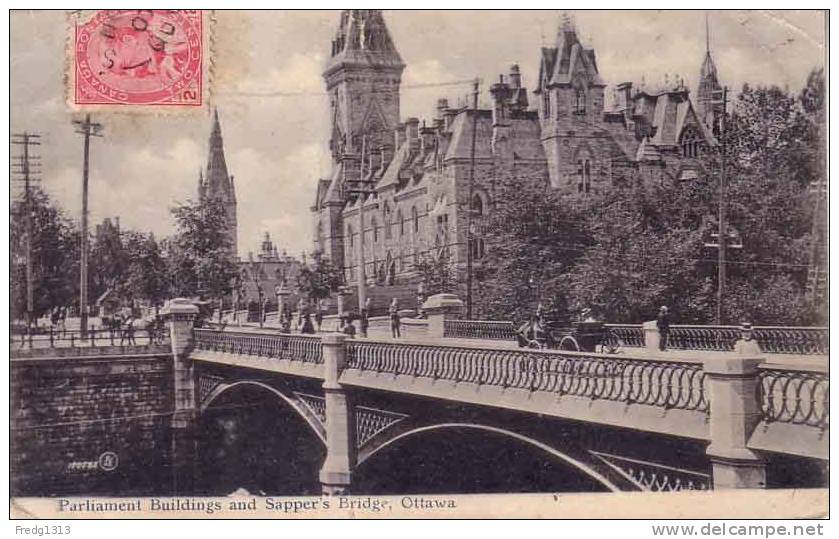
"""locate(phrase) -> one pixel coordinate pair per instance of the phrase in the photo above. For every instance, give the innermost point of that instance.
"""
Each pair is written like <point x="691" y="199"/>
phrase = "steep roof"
<point x="363" y="38"/>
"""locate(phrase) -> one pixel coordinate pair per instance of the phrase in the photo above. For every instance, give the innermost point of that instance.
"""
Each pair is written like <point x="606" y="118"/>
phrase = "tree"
<point x="146" y="275"/>
<point x="55" y="257"/>
<point x="436" y="273"/>
<point x="321" y="280"/>
<point x="108" y="260"/>
<point x="640" y="244"/>
<point x="200" y="259"/>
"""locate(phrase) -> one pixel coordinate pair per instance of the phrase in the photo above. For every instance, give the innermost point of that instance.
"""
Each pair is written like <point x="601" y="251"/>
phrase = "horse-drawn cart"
<point x="586" y="336"/>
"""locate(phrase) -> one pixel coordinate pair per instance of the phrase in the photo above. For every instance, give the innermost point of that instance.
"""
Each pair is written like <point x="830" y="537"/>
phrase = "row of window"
<point x="442" y="221"/>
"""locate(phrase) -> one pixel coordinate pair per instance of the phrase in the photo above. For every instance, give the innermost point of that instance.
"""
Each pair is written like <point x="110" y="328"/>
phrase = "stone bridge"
<point x="347" y="414"/>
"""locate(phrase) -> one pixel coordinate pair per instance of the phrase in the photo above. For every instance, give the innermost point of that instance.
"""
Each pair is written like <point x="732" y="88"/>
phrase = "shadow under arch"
<point x="378" y="445"/>
<point x="285" y="396"/>
<point x="259" y="438"/>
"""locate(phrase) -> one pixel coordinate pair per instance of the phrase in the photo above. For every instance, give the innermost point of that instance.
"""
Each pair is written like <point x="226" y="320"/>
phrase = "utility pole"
<point x="23" y="171"/>
<point x="469" y="208"/>
<point x="722" y="227"/>
<point x="88" y="129"/>
<point x="817" y="270"/>
<point x="363" y="191"/>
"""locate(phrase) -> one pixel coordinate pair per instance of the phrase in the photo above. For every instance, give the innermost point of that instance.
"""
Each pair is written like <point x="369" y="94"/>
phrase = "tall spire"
<point x="217" y="183"/>
<point x="709" y="86"/>
<point x="707" y="36"/>
<point x="217" y="177"/>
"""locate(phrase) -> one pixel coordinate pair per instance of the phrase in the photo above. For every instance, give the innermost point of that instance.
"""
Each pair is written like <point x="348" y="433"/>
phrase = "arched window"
<point x="401" y="223"/>
<point x="350" y="240"/>
<point x="375" y="224"/>
<point x="583" y="175"/>
<point x="580" y="100"/>
<point x="690" y="143"/>
<point x="415" y="218"/>
<point x="477" y="206"/>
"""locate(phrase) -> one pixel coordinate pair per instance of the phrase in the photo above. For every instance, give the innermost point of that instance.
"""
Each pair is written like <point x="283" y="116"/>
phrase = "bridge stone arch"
<point x="306" y="408"/>
<point x="408" y="429"/>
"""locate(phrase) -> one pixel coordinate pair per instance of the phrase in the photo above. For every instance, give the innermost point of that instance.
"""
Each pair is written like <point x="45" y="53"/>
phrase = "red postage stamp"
<point x="140" y="57"/>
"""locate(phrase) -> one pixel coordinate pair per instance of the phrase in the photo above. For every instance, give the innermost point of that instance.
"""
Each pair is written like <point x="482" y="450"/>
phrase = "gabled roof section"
<point x="569" y="58"/>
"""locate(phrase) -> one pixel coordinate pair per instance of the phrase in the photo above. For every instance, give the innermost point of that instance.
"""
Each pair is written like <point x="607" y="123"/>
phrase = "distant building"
<point x="266" y="271"/>
<point x="419" y="171"/>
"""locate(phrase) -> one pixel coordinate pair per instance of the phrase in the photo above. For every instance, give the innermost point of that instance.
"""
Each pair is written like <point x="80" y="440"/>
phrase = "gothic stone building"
<point x="269" y="268"/>
<point x="412" y="178"/>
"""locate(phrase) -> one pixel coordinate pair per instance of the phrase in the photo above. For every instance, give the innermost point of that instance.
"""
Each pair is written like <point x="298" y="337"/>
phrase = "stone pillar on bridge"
<point x="651" y="336"/>
<point x="180" y="316"/>
<point x="336" y="473"/>
<point x="735" y="412"/>
<point x="437" y="309"/>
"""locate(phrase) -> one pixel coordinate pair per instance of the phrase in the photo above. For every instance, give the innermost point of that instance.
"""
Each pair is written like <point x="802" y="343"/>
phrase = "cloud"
<point x="275" y="195"/>
<point x="300" y="74"/>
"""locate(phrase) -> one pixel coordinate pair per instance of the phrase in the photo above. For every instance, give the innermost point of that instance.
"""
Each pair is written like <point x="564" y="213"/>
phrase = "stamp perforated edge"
<point x="208" y="70"/>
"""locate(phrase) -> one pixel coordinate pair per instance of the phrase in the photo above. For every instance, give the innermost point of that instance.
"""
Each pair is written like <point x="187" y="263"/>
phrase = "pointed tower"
<point x="570" y="102"/>
<point x="216" y="182"/>
<point x="362" y="79"/>
<point x="709" y="93"/>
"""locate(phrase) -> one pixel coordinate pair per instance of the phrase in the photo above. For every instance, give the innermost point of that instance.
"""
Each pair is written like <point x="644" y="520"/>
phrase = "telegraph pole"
<point x="88" y="129"/>
<point x="722" y="228"/>
<point x="23" y="169"/>
<point x="363" y="192"/>
<point x="469" y="208"/>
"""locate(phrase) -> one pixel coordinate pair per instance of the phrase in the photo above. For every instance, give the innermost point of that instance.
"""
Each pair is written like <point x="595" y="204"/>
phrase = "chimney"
<point x="515" y="77"/>
<point x="399" y="136"/>
<point x="500" y="96"/>
<point x="428" y="136"/>
<point x="412" y="133"/>
<point x="442" y="106"/>
<point x="624" y="99"/>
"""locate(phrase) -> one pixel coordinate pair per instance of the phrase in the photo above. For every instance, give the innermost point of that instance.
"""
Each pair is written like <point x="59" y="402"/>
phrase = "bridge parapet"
<point x="670" y="384"/>
<point x="304" y="348"/>
<point x="772" y="339"/>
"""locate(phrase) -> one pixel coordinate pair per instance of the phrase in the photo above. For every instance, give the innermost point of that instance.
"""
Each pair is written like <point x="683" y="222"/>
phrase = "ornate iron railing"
<point x="304" y="348"/>
<point x="667" y="384"/>
<point x="793" y="340"/>
<point x="772" y="339"/>
<point x="631" y="335"/>
<point x="797" y="396"/>
<point x="720" y="338"/>
<point x="479" y="329"/>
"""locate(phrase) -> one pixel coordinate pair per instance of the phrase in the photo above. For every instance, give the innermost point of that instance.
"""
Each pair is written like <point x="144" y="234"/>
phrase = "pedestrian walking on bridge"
<point x="395" y="323"/>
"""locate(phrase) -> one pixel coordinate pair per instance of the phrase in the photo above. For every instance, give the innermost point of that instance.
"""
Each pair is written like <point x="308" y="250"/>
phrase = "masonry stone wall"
<point x="90" y="425"/>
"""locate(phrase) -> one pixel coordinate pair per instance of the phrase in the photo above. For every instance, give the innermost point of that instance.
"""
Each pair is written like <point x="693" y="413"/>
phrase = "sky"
<point x="274" y="114"/>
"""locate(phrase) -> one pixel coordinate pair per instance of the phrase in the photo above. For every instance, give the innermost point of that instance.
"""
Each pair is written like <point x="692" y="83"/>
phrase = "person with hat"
<point x="663" y="324"/>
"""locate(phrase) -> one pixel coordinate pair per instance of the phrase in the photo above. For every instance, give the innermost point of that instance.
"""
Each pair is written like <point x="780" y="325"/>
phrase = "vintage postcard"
<point x="418" y="264"/>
